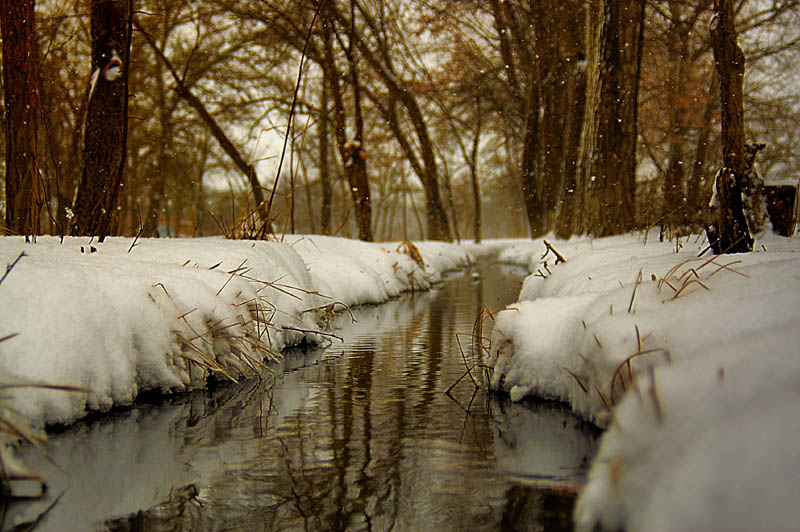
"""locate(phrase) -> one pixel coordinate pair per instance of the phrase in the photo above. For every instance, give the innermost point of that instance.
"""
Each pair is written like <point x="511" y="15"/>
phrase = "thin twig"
<point x="10" y="267"/>
<point x="294" y="104"/>
<point x="141" y="228"/>
<point x="549" y="247"/>
<point x="633" y="295"/>
<point x="309" y="331"/>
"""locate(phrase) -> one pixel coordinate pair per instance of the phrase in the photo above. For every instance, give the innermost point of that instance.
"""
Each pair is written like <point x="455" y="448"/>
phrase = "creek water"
<point x="358" y="435"/>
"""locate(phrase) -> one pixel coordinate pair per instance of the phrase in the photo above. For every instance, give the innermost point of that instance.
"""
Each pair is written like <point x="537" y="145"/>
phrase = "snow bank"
<point x="691" y="362"/>
<point x="163" y="315"/>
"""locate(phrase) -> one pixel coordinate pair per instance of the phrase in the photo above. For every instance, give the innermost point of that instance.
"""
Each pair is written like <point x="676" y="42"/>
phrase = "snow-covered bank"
<point x="162" y="315"/>
<point x="692" y="363"/>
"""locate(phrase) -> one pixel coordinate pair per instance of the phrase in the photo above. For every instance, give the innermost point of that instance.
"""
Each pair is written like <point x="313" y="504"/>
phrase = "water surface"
<point x="356" y="436"/>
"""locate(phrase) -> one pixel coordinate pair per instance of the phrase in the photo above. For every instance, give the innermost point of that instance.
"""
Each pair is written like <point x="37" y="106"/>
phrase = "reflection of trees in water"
<point x="528" y="508"/>
<point x="379" y="446"/>
<point x="178" y="513"/>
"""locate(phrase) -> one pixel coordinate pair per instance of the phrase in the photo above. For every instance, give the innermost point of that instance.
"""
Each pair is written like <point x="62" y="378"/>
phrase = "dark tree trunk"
<point x="473" y="172"/>
<point x="352" y="152"/>
<point x="575" y="94"/>
<point x="675" y="204"/>
<point x="733" y="234"/>
<point x="356" y="152"/>
<point x="106" y="122"/>
<point x="324" y="163"/>
<point x="531" y="192"/>
<point x="24" y="194"/>
<point x="698" y="187"/>
<point x="556" y="45"/>
<point x="437" y="222"/>
<point x="609" y="146"/>
<point x="781" y="203"/>
<point x="438" y="225"/>
<point x="505" y="47"/>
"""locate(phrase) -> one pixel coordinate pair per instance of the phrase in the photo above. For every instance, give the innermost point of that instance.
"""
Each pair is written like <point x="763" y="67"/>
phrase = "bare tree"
<point x="378" y="56"/>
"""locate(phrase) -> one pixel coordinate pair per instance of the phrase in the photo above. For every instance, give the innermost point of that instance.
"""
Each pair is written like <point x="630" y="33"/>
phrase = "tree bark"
<point x="24" y="194"/>
<point x="608" y="157"/>
<point x="781" y="201"/>
<point x="473" y="172"/>
<point x="675" y="203"/>
<point x="699" y="185"/>
<point x="531" y="192"/>
<point x="324" y="163"/>
<point x="733" y="234"/>
<point x="351" y="151"/>
<point x="575" y="95"/>
<point x="105" y="128"/>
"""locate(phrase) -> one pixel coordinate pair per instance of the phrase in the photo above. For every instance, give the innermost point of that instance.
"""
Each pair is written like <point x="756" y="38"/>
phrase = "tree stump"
<point x="781" y="203"/>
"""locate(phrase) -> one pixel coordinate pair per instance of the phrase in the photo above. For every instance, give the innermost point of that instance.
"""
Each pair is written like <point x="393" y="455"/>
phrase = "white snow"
<point x="703" y="424"/>
<point x="691" y="364"/>
<point x="165" y="314"/>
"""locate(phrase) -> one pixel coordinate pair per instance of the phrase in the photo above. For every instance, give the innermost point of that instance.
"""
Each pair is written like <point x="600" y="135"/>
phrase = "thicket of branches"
<point x="411" y="118"/>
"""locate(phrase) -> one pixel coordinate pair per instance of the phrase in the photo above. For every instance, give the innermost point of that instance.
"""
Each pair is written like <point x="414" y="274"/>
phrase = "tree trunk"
<point x="24" y="194"/>
<point x="575" y="94"/>
<point x="437" y="222"/>
<point x="608" y="158"/>
<point x="352" y="153"/>
<point x="473" y="172"/>
<point x="531" y="192"/>
<point x="356" y="152"/>
<point x="324" y="164"/>
<point x="699" y="185"/>
<point x="733" y="235"/>
<point x="106" y="122"/>
<point x="781" y="203"/>
<point x="675" y="205"/>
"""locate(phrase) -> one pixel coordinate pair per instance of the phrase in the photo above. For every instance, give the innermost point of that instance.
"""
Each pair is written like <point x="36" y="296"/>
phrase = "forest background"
<point x="403" y="119"/>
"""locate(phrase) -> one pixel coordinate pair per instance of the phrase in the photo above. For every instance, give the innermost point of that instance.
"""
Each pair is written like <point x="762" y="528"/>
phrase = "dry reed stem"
<point x="231" y="274"/>
<point x="653" y="394"/>
<point x="478" y="340"/>
<point x="635" y="288"/>
<point x="578" y="379"/>
<point x="412" y="251"/>
<point x="466" y="364"/>
<point x="9" y="337"/>
<point x="548" y="248"/>
<point x="627" y="362"/>
<point x="10" y="266"/>
<point x="688" y="283"/>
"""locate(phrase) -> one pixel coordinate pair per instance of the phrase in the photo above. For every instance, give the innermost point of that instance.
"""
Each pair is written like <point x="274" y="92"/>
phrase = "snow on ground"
<point x="162" y="315"/>
<point x="692" y="363"/>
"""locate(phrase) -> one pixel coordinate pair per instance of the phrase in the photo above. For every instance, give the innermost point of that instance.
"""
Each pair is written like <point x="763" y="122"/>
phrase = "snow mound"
<point x="123" y="317"/>
<point x="692" y="364"/>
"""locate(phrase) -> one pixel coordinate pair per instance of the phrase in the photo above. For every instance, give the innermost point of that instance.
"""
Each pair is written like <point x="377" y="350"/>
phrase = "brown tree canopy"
<point x="490" y="117"/>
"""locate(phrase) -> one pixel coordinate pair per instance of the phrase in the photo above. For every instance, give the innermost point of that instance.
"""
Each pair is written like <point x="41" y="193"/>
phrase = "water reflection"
<point x="355" y="437"/>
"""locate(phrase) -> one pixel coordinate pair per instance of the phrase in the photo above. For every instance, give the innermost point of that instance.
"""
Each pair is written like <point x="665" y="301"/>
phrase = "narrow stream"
<point x="357" y="436"/>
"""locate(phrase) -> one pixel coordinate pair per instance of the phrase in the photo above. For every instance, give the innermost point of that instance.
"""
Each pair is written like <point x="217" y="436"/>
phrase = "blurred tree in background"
<point x="24" y="194"/>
